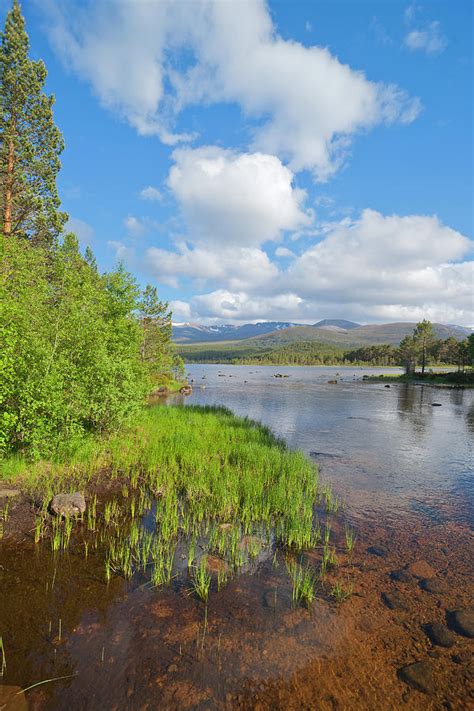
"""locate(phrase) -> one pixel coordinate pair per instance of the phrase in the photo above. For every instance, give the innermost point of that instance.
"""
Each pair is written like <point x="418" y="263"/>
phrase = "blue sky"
<point x="282" y="160"/>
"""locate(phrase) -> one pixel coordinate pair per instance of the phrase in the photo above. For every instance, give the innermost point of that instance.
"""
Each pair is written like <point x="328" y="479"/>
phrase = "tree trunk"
<point x="423" y="361"/>
<point x="7" y="221"/>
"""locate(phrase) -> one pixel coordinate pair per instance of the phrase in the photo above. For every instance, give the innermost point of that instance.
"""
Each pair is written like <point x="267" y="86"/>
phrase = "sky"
<point x="285" y="160"/>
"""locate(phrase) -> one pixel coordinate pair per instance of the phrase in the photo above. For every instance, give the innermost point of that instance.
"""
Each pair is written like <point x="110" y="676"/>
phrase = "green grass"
<point x="201" y="474"/>
<point x="465" y="379"/>
<point x="304" y="583"/>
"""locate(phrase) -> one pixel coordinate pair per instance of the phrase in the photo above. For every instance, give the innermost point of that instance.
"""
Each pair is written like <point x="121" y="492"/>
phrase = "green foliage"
<point x="157" y="352"/>
<point x="30" y="143"/>
<point x="423" y="338"/>
<point x="69" y="346"/>
<point x="77" y="348"/>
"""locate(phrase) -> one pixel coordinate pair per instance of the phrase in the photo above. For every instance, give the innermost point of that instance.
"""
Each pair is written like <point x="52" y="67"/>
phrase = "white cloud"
<point x="241" y="306"/>
<point x="310" y="103"/>
<point x="238" y="267"/>
<point x="134" y="226"/>
<point x="231" y="198"/>
<point x="284" y="252"/>
<point x="151" y="193"/>
<point x="83" y="231"/>
<point x="429" y="40"/>
<point x="376" y="267"/>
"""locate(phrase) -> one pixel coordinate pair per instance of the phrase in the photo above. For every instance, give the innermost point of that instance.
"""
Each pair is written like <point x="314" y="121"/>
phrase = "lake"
<point x="399" y="452"/>
<point x="400" y="458"/>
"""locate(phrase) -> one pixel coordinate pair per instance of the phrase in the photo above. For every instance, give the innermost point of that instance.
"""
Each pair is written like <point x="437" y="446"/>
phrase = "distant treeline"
<point x="437" y="352"/>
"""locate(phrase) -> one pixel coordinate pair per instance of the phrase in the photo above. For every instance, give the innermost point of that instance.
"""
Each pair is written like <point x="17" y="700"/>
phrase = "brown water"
<point x="405" y="470"/>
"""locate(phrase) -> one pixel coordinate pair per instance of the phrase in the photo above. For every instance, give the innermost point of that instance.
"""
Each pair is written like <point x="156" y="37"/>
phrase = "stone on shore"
<point x="68" y="504"/>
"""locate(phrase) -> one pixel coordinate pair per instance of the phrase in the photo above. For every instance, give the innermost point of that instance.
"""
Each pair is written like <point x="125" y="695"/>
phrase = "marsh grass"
<point x="303" y="583"/>
<point x="201" y="580"/>
<point x="194" y="477"/>
<point x="340" y="593"/>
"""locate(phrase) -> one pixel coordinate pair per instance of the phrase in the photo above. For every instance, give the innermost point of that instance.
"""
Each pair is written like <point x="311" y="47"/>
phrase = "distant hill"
<point x="339" y="323"/>
<point x="198" y="333"/>
<point x="391" y="333"/>
<point x="337" y="332"/>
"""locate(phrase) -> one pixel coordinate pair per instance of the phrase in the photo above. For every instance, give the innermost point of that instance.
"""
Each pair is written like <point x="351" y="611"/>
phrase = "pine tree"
<point x="424" y="338"/>
<point x="155" y="319"/>
<point x="30" y="143"/>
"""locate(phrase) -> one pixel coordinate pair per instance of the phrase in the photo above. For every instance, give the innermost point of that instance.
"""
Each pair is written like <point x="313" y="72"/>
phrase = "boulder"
<point x="68" y="504"/>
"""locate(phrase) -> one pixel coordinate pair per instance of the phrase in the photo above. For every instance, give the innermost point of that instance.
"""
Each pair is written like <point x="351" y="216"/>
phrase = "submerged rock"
<point x="395" y="600"/>
<point x="433" y="585"/>
<point x="439" y="634"/>
<point x="421" y="569"/>
<point x="463" y="621"/>
<point x="418" y="675"/>
<point x="377" y="550"/>
<point x="403" y="576"/>
<point x="68" y="504"/>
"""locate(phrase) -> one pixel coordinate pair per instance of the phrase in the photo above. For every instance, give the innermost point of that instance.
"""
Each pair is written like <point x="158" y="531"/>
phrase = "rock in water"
<point x="463" y="622"/>
<point x="439" y="634"/>
<point x="68" y="504"/>
<point x="418" y="675"/>
<point x="433" y="585"/>
<point x="421" y="569"/>
<point x="394" y="600"/>
<point x="380" y="551"/>
<point x="402" y="576"/>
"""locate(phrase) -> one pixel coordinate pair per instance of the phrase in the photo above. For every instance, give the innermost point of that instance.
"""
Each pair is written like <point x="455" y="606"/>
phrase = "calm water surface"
<point x="389" y="451"/>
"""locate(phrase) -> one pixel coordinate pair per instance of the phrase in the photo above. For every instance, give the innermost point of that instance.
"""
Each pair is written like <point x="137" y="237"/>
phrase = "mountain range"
<point x="330" y="331"/>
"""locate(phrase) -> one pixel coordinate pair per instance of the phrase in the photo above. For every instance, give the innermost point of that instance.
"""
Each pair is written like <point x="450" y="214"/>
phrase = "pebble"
<point x="394" y="600"/>
<point x="418" y="675"/>
<point x="439" y="634"/>
<point x="172" y="668"/>
<point x="433" y="585"/>
<point x="463" y="622"/>
<point x="421" y="569"/>
<point x="377" y="550"/>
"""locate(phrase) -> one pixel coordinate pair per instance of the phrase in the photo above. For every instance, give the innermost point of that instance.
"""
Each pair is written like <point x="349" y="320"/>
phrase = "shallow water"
<point x="388" y="451"/>
<point x="404" y="469"/>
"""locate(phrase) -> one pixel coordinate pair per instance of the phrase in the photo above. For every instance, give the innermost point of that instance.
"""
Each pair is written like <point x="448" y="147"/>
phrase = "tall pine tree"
<point x="30" y="143"/>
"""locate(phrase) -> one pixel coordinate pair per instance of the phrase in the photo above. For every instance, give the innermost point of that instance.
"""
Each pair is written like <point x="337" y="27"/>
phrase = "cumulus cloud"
<point x="135" y="227"/>
<point x="152" y="194"/>
<point x="430" y="39"/>
<point x="239" y="268"/>
<point x="375" y="267"/>
<point x="83" y="231"/>
<point x="303" y="103"/>
<point x="231" y="198"/>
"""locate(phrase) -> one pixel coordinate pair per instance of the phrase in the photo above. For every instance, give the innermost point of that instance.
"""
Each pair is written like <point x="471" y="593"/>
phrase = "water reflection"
<point x="396" y="454"/>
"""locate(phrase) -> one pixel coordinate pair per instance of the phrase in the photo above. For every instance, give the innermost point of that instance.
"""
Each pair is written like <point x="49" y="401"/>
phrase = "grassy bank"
<point x="465" y="379"/>
<point x="205" y="464"/>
